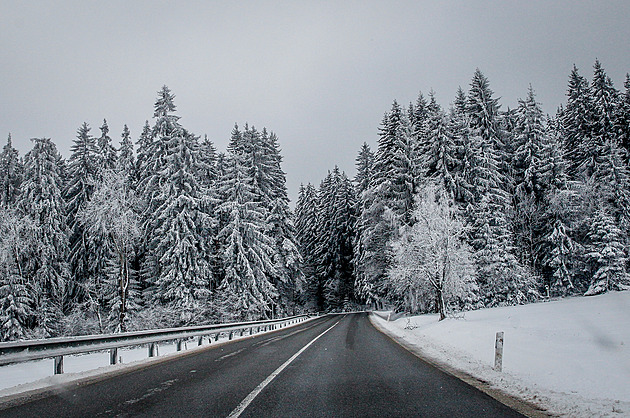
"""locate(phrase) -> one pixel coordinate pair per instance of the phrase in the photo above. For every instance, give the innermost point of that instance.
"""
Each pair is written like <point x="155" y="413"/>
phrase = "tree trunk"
<point x="441" y="304"/>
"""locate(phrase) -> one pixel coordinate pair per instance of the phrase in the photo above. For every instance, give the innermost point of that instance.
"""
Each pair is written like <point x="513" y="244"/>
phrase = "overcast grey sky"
<point x="320" y="74"/>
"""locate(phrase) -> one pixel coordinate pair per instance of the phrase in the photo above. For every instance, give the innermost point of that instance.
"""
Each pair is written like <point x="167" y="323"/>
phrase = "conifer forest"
<point x="455" y="209"/>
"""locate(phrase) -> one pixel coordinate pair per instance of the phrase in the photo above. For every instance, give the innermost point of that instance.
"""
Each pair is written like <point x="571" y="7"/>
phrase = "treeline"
<point x="175" y="233"/>
<point x="543" y="201"/>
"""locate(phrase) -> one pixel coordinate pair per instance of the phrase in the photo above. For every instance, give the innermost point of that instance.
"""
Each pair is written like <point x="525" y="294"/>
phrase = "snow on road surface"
<point x="570" y="356"/>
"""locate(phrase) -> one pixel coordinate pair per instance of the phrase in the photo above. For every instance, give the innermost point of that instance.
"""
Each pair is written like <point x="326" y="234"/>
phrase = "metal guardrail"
<point x="21" y="351"/>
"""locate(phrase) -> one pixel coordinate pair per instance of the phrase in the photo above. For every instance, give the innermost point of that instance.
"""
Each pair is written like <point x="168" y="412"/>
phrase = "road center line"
<point x="249" y="398"/>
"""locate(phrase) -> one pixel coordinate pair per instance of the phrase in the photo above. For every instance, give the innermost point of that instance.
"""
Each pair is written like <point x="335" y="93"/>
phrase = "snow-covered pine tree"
<point x="556" y="251"/>
<point x="180" y="248"/>
<point x="247" y="250"/>
<point x="610" y="170"/>
<point x="208" y="158"/>
<point x="17" y="293"/>
<point x="605" y="99"/>
<point x="152" y="178"/>
<point x="437" y="148"/>
<point x="389" y="200"/>
<point x="606" y="255"/>
<point x="559" y="259"/>
<point x="335" y="237"/>
<point x="577" y="121"/>
<point x="502" y="280"/>
<point x="530" y="138"/>
<point x="143" y="156"/>
<point x="467" y="148"/>
<point x="106" y="152"/>
<point x="307" y="235"/>
<point x="126" y="161"/>
<point x="485" y="121"/>
<point x="41" y="200"/>
<point x="289" y="279"/>
<point x="622" y="119"/>
<point x="365" y="167"/>
<point x="83" y="173"/>
<point x="11" y="173"/>
<point x="209" y="177"/>
<point x="501" y="277"/>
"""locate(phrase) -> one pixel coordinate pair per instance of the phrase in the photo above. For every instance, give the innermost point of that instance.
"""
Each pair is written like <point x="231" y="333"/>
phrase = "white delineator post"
<point x="498" y="352"/>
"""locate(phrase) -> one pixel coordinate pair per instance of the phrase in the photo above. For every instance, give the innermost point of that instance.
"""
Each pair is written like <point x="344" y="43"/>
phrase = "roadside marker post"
<point x="498" y="352"/>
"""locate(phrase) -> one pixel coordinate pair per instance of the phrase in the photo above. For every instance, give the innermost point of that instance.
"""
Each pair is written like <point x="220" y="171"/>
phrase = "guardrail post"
<point x="200" y="340"/>
<point x="58" y="364"/>
<point x="179" y="345"/>
<point x="216" y="337"/>
<point x="113" y="355"/>
<point x="152" y="350"/>
<point x="498" y="352"/>
<point x="230" y="337"/>
<point x="241" y="330"/>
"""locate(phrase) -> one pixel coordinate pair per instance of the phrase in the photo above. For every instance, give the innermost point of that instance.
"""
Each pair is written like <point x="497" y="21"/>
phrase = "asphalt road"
<point x="334" y="366"/>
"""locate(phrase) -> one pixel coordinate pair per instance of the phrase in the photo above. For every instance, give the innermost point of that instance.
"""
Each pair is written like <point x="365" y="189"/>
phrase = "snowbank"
<point x="572" y="356"/>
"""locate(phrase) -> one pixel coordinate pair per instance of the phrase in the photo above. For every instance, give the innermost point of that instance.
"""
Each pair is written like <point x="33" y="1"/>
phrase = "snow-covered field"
<point x="571" y="357"/>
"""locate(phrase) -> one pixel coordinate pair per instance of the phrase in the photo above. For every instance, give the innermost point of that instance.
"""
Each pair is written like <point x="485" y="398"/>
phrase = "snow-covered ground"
<point x="571" y="357"/>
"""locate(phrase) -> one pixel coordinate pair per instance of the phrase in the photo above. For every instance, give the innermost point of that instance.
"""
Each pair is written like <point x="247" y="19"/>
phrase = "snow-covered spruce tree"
<point x="180" y="247"/>
<point x="143" y="155"/>
<point x="41" y="200"/>
<point x="610" y="169"/>
<point x="306" y="234"/>
<point x="208" y="175"/>
<point x="530" y="138"/>
<point x="83" y="173"/>
<point x="501" y="278"/>
<point x="559" y="258"/>
<point x="622" y="119"/>
<point x="556" y="251"/>
<point x="577" y="121"/>
<point x="432" y="265"/>
<point x="106" y="152"/>
<point x="335" y="223"/>
<point x="389" y="199"/>
<point x="152" y="178"/>
<point x="289" y="279"/>
<point x="247" y="250"/>
<point x="485" y="121"/>
<point x="606" y="255"/>
<point x="362" y="180"/>
<point x="109" y="219"/>
<point x="126" y="162"/>
<point x="467" y="148"/>
<point x="11" y="173"/>
<point x="17" y="293"/>
<point x="437" y="148"/>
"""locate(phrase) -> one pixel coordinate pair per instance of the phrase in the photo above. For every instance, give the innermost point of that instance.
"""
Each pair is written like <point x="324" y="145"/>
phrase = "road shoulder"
<point x="522" y="406"/>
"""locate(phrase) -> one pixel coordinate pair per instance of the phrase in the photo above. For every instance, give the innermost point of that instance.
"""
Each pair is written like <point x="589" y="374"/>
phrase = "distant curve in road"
<point x="334" y="366"/>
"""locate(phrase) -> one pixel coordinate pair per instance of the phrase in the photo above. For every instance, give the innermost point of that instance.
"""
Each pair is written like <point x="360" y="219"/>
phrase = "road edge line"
<point x="252" y="395"/>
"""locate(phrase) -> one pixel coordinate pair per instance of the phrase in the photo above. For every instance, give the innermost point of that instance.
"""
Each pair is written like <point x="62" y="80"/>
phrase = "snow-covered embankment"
<point x="572" y="356"/>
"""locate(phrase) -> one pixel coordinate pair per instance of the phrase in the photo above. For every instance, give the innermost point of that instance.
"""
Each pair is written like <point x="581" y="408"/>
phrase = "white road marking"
<point x="249" y="398"/>
<point x="231" y="354"/>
